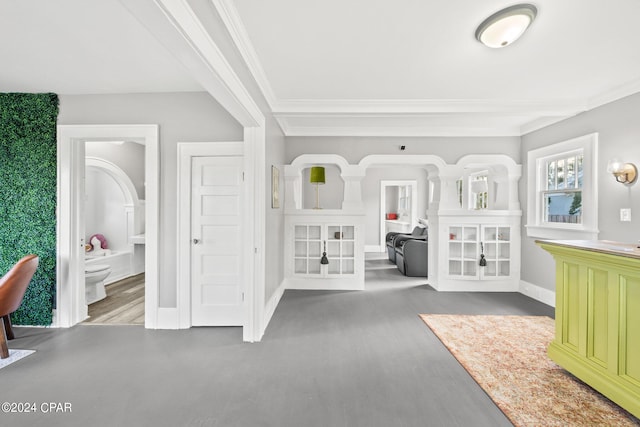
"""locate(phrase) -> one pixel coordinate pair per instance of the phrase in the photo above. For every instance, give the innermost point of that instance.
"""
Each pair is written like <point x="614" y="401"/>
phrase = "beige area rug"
<point x="507" y="356"/>
<point x="14" y="356"/>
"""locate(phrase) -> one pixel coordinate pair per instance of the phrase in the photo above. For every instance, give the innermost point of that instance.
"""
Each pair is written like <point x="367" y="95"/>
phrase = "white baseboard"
<point x="538" y="293"/>
<point x="324" y="284"/>
<point x="475" y="285"/>
<point x="374" y="248"/>
<point x="54" y="319"/>
<point x="270" y="308"/>
<point x="167" y="318"/>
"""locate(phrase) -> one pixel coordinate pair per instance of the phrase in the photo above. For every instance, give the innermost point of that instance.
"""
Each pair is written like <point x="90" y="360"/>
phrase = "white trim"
<point x="543" y="122"/>
<point x="429" y="161"/>
<point x="255" y="213"/>
<point x="538" y="293"/>
<point x="588" y="230"/>
<point x="167" y="318"/>
<point x="561" y="233"/>
<point x="71" y="307"/>
<point x="121" y="178"/>
<point x="270" y="308"/>
<point x="231" y="19"/>
<point x="396" y="130"/>
<point x="176" y="26"/>
<point x="393" y="107"/>
<point x="70" y="301"/>
<point x="614" y="94"/>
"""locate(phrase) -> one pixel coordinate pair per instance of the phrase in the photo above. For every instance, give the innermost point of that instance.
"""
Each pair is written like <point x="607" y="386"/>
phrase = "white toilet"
<point x="94" y="275"/>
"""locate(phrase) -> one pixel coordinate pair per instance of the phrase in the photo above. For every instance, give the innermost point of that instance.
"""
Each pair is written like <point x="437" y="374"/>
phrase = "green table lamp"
<point x="317" y="177"/>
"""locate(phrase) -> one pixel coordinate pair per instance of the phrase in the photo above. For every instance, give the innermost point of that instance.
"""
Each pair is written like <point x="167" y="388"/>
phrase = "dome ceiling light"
<point x="506" y="26"/>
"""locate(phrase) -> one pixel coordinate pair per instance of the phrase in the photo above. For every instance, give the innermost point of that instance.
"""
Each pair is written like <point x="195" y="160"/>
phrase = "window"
<point x="477" y="190"/>
<point x="562" y="190"/>
<point x="478" y="184"/>
<point x="562" y="198"/>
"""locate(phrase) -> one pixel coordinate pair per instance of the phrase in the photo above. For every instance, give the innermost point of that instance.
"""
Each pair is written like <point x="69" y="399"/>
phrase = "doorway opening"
<point x="398" y="208"/>
<point x="133" y="232"/>
<point x="114" y="234"/>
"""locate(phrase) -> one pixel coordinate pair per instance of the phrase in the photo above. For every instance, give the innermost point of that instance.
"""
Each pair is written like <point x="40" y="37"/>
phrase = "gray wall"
<point x="371" y="195"/>
<point x="274" y="221"/>
<point x="619" y="136"/>
<point x="183" y="117"/>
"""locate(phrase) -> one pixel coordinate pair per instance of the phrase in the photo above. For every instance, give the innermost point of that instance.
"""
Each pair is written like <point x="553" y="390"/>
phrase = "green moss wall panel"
<point x="28" y="205"/>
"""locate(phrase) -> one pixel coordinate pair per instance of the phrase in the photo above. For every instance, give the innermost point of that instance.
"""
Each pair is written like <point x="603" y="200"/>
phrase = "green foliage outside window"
<point x="28" y="203"/>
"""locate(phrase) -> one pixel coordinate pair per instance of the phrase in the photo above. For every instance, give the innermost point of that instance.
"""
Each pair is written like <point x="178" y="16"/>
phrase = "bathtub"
<point x="121" y="263"/>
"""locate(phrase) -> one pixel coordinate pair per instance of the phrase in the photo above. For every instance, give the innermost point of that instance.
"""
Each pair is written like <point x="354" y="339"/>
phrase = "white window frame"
<point x="536" y="184"/>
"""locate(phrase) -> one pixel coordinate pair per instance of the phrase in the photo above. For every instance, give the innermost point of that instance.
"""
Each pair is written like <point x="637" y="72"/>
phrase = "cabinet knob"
<point x="196" y="241"/>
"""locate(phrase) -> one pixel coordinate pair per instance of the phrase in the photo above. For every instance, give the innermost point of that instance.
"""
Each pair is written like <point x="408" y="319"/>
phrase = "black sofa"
<point x="411" y="256"/>
<point x="394" y="238"/>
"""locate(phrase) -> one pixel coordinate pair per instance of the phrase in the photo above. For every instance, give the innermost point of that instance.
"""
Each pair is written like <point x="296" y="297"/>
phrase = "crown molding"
<point x="231" y="19"/>
<point x="397" y="131"/>
<point x="541" y="123"/>
<point x="317" y="107"/>
<point x="594" y="102"/>
<point x="614" y="94"/>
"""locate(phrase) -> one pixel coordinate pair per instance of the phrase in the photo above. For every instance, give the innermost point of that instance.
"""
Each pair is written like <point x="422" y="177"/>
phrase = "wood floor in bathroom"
<point x="124" y="304"/>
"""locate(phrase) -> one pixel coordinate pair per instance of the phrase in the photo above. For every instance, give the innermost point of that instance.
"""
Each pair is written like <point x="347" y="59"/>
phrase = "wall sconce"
<point x="625" y="173"/>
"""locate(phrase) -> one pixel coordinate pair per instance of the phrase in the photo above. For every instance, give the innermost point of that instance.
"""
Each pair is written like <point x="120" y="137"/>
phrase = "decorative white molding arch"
<point x="121" y="178"/>
<point x="305" y="161"/>
<point x="134" y="207"/>
<point x="429" y="161"/>
<point x="491" y="160"/>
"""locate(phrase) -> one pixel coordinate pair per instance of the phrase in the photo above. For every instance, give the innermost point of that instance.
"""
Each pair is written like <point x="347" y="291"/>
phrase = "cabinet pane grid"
<point x="309" y="241"/>
<point x="464" y="251"/>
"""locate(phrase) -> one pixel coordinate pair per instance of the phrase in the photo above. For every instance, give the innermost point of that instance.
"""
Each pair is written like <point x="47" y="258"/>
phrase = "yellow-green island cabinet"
<point x="597" y="335"/>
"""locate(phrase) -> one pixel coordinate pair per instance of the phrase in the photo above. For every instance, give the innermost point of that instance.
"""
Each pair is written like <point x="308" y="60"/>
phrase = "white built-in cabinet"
<point x="312" y="240"/>
<point x="463" y="238"/>
<point x="467" y="243"/>
<point x="310" y="235"/>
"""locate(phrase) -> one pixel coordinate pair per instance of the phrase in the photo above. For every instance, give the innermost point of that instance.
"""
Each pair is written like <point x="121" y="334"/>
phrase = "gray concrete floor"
<point x="327" y="359"/>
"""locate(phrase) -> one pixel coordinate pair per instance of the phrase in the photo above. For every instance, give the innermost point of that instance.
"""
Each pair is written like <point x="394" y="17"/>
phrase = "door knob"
<point x="196" y="241"/>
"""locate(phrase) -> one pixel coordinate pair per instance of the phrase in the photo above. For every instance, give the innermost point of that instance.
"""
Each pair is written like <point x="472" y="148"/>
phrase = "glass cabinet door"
<point x="463" y="251"/>
<point x="307" y="249"/>
<point x="341" y="249"/>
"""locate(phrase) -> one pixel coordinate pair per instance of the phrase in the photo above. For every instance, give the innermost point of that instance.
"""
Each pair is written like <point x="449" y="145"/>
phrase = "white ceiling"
<point x="83" y="47"/>
<point x="357" y="67"/>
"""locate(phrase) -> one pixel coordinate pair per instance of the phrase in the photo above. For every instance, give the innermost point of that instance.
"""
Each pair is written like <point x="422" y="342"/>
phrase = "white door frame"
<point x="186" y="151"/>
<point x="70" y="303"/>
<point x="383" y="200"/>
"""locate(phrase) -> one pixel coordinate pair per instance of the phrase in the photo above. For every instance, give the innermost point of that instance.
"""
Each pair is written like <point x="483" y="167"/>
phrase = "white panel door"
<point x="216" y="257"/>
